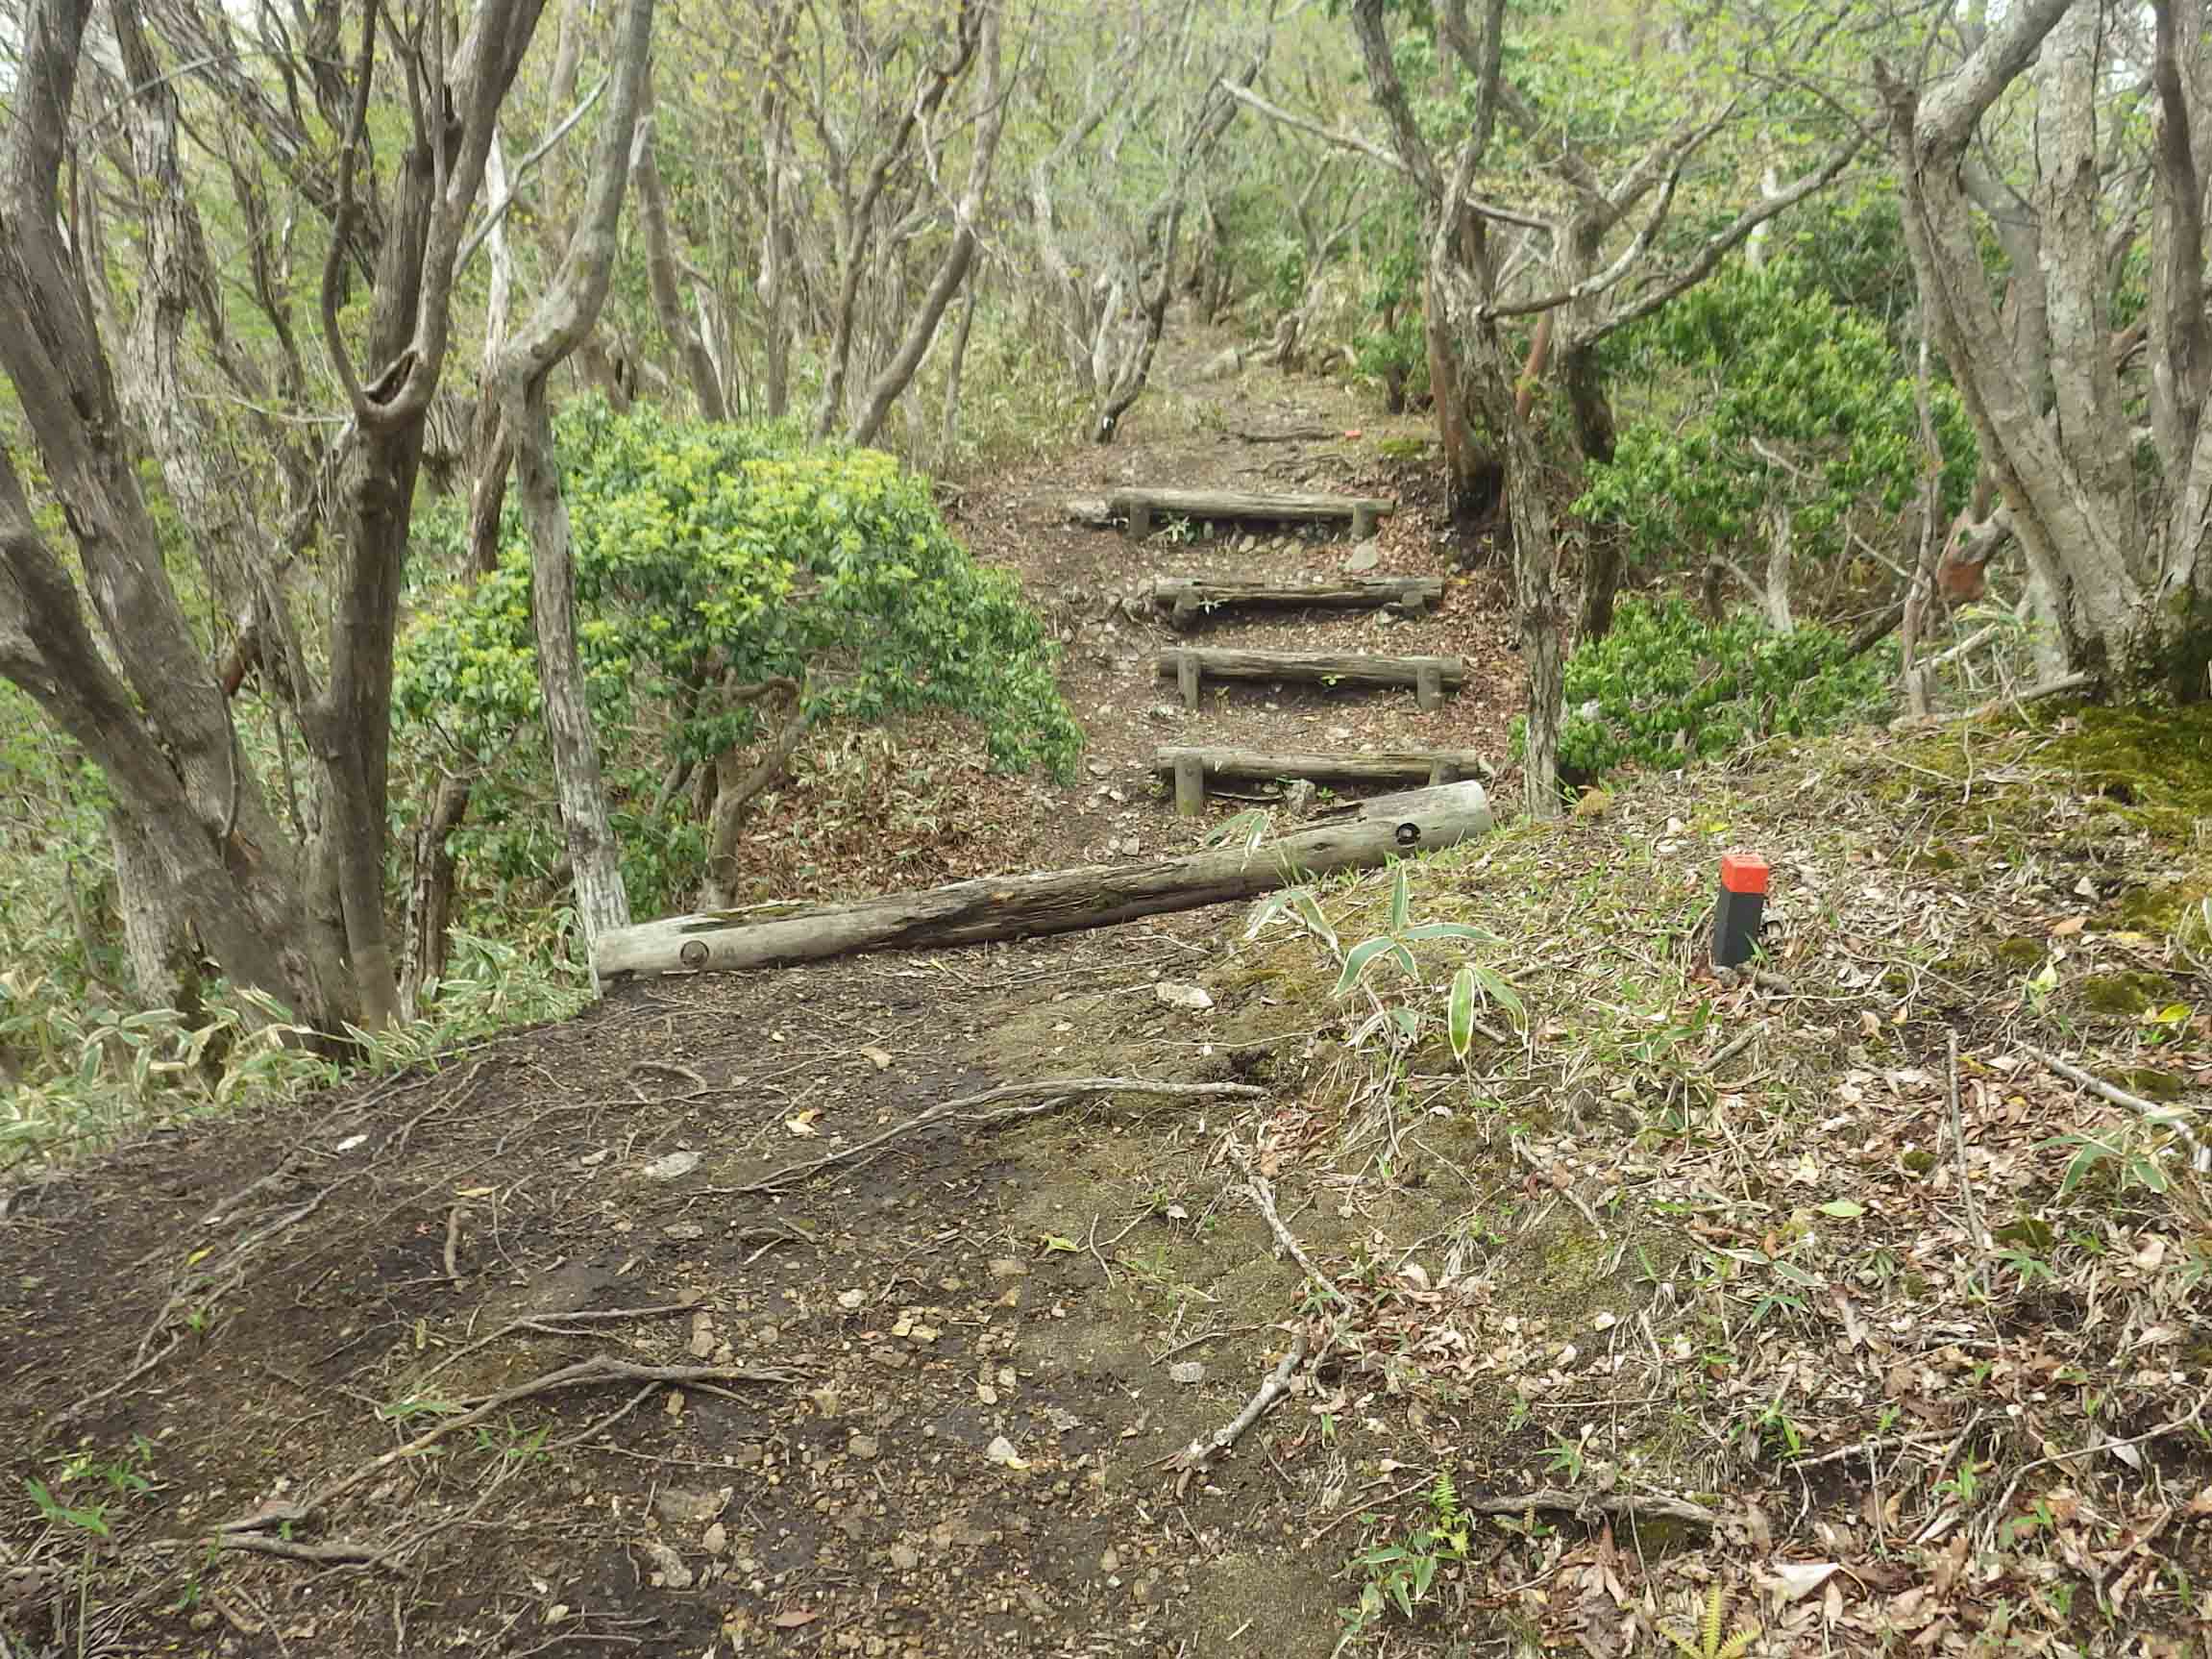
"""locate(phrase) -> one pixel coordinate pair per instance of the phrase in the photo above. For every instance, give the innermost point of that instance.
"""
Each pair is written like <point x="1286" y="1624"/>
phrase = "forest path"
<point x="982" y="1338"/>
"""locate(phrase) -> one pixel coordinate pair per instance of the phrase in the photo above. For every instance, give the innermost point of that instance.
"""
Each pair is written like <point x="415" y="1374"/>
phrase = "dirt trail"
<point x="986" y="1342"/>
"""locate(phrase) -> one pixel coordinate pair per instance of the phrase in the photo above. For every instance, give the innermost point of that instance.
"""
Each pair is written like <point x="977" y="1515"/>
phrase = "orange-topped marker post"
<point x="1742" y="902"/>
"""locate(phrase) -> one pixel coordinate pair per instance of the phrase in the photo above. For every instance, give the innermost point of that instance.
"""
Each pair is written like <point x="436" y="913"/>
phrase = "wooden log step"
<point x="1185" y="597"/>
<point x="1429" y="675"/>
<point x="1191" y="767"/>
<point x="1139" y="507"/>
<point x="1357" y="836"/>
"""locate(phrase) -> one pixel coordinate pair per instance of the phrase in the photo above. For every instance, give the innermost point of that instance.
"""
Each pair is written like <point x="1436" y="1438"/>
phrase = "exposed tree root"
<point x="583" y="1375"/>
<point x="1058" y="1092"/>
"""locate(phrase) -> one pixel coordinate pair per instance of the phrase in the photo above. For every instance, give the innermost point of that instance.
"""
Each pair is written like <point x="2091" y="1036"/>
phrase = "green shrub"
<point x="709" y="555"/>
<point x="1665" y="686"/>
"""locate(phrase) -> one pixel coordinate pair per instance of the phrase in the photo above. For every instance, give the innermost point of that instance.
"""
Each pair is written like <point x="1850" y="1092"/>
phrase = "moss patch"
<point x="2126" y="994"/>
<point x="2155" y="763"/>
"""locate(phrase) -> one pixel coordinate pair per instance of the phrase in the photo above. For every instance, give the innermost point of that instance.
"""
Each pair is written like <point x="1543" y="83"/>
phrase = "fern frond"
<point x="1715" y="1610"/>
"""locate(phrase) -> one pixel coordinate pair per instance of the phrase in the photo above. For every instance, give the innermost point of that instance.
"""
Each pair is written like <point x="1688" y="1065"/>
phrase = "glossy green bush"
<point x="1666" y="686"/>
<point x="712" y="551"/>
<point x="1792" y="402"/>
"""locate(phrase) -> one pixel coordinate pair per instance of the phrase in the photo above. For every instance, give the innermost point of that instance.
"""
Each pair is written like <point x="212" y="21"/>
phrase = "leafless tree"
<point x="299" y="917"/>
<point x="556" y="328"/>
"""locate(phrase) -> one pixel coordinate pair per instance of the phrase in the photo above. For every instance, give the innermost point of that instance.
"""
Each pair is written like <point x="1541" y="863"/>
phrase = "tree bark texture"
<point x="1021" y="907"/>
<point x="668" y="293"/>
<point x="2126" y="568"/>
<point x="561" y="320"/>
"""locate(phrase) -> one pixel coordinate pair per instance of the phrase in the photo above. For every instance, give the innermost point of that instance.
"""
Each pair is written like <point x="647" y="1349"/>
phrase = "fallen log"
<point x="1356" y="836"/>
<point x="1138" y="506"/>
<point x="1429" y="675"/>
<point x="1185" y="597"/>
<point x="1191" y="767"/>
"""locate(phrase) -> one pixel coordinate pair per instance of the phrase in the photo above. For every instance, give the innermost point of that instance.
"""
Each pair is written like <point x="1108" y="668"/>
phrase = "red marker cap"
<point x="1743" y="873"/>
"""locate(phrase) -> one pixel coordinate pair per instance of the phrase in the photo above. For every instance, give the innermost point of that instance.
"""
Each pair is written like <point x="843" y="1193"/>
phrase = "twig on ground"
<point x="454" y="1218"/>
<point x="546" y="1326"/>
<point x="1057" y="1090"/>
<point x="583" y="1375"/>
<point x="1866" y="1448"/>
<point x="2048" y="688"/>
<point x="1263" y="1199"/>
<point x="1735" y="1046"/>
<point x="1363" y="1507"/>
<point x="1618" y="1505"/>
<point x="1194" y="1458"/>
<point x="338" y="1554"/>
<point x="2178" y="1119"/>
<point x="1162" y="1358"/>
<point x="1996" y="1516"/>
<point x="1974" y="1230"/>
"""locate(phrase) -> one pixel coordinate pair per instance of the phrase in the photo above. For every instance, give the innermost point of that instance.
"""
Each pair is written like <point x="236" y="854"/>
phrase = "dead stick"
<point x="454" y="1218"/>
<point x="605" y="1316"/>
<point x="334" y="1554"/>
<point x="1064" y="1088"/>
<point x="1194" y="1458"/>
<point x="1734" y="1046"/>
<point x="2174" y="1118"/>
<point x="1974" y="1232"/>
<point x="1623" y="1506"/>
<point x="581" y="1374"/>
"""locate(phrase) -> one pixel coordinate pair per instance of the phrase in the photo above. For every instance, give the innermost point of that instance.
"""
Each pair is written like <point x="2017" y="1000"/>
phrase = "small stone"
<point x="850" y="1298"/>
<point x="1110" y="1562"/>
<point x="864" y="1446"/>
<point x="905" y="1557"/>
<point x="672" y="1166"/>
<point x="716" y="1539"/>
<point x="684" y="1230"/>
<point x="1009" y="1267"/>
<point x="1179" y="995"/>
<point x="1365" y="556"/>
<point x="668" y="1565"/>
<point x="1190" y="1373"/>
<point x="1001" y="1452"/>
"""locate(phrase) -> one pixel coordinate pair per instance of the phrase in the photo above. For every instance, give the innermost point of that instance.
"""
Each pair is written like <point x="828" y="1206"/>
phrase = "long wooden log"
<point x="1184" y="596"/>
<point x="1429" y="674"/>
<point x="1365" y="766"/>
<point x="1357" y="836"/>
<point x="1139" y="507"/>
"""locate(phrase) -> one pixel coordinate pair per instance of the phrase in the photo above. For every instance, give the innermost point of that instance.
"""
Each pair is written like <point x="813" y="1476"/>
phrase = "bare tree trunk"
<point x="559" y="325"/>
<point x="494" y="455"/>
<point x="949" y="424"/>
<point x="668" y="294"/>
<point x="735" y="794"/>
<point x="1923" y="586"/>
<point x="156" y="934"/>
<point x="431" y="898"/>
<point x="2128" y="567"/>
<point x="953" y="270"/>
<point x="858" y="220"/>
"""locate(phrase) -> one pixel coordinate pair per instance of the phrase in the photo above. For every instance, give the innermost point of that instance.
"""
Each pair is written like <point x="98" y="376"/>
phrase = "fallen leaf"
<point x="879" y="1057"/>
<point x="1799" y="1580"/>
<point x="803" y="1123"/>
<point x="2068" y="928"/>
<point x="795" y="1618"/>
<point x="1843" y="1208"/>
